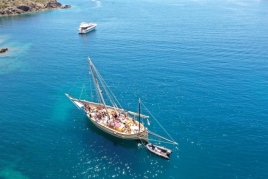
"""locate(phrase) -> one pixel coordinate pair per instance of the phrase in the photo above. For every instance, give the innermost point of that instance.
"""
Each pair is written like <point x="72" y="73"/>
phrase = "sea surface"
<point x="199" y="66"/>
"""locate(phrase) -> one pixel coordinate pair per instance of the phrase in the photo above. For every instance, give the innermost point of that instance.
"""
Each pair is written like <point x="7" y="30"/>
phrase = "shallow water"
<point x="200" y="67"/>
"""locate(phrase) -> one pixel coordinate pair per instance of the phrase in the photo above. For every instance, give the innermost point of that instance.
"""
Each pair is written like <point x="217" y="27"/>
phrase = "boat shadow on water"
<point x="103" y="137"/>
<point x="113" y="148"/>
<point x="118" y="145"/>
<point x="87" y="35"/>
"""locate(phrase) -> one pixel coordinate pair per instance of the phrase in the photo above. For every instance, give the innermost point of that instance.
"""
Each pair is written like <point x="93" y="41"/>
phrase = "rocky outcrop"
<point x="66" y="6"/>
<point x="10" y="10"/>
<point x="3" y="50"/>
<point x="53" y="5"/>
<point x="30" y="6"/>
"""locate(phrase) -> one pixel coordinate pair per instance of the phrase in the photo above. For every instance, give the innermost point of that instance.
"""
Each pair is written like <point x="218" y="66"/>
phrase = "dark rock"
<point x="24" y="8"/>
<point x="66" y="6"/>
<point x="53" y="4"/>
<point x="3" y="50"/>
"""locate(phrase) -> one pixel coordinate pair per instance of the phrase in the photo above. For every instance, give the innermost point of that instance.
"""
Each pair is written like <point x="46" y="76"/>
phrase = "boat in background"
<point x="86" y="27"/>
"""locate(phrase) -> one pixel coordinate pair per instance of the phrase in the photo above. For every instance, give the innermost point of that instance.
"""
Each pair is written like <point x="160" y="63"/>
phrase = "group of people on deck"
<point x="115" y="118"/>
<point x="98" y="113"/>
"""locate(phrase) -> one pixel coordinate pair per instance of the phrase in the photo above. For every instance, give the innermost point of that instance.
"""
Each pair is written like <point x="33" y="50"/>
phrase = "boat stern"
<point x="143" y="135"/>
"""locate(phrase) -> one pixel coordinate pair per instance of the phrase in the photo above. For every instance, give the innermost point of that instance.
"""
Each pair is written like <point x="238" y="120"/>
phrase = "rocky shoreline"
<point x="24" y="6"/>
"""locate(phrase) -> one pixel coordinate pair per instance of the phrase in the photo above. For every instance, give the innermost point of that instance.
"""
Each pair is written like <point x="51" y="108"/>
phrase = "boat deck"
<point x="117" y="121"/>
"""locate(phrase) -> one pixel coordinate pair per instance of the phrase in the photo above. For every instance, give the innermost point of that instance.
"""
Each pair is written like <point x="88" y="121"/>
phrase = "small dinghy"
<point x="158" y="150"/>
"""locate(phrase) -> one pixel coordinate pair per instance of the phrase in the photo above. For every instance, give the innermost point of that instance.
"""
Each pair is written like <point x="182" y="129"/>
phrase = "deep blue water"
<point x="201" y="67"/>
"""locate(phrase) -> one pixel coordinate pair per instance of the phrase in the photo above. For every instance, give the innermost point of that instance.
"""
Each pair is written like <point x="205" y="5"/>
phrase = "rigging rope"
<point x="107" y="90"/>
<point x="157" y="122"/>
<point x="76" y="80"/>
<point x="143" y="143"/>
<point x="161" y="141"/>
<point x="90" y="87"/>
<point x="82" y="90"/>
<point x="99" y="81"/>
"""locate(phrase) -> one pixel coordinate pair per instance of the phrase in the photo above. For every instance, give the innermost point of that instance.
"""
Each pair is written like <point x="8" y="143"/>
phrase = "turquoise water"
<point x="199" y="66"/>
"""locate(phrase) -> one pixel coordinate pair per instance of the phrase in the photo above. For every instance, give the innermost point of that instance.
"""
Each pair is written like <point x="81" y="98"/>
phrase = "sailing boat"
<point x="112" y="119"/>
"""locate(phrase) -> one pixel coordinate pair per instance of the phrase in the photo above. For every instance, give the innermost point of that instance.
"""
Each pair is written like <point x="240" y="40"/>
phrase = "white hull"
<point x="86" y="31"/>
<point x="86" y="27"/>
<point x="139" y="136"/>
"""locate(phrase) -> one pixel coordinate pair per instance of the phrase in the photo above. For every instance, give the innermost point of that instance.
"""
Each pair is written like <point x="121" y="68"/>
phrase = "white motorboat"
<point x="86" y="27"/>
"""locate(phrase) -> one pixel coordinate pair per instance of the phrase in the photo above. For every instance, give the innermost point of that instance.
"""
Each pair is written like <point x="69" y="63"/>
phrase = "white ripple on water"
<point x="113" y="165"/>
<point x="98" y="3"/>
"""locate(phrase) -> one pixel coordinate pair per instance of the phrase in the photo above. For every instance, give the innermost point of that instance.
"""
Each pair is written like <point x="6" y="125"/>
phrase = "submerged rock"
<point x="3" y="50"/>
<point x="66" y="6"/>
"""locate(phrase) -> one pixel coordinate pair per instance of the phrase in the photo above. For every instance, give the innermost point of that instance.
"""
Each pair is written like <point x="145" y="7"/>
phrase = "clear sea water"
<point x="200" y="67"/>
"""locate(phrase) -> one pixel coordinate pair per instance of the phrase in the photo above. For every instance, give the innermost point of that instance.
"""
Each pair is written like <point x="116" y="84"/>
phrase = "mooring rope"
<point x="158" y="123"/>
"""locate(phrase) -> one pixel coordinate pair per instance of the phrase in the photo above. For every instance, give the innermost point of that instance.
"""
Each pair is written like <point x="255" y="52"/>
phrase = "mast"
<point x="97" y="85"/>
<point x="139" y="114"/>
